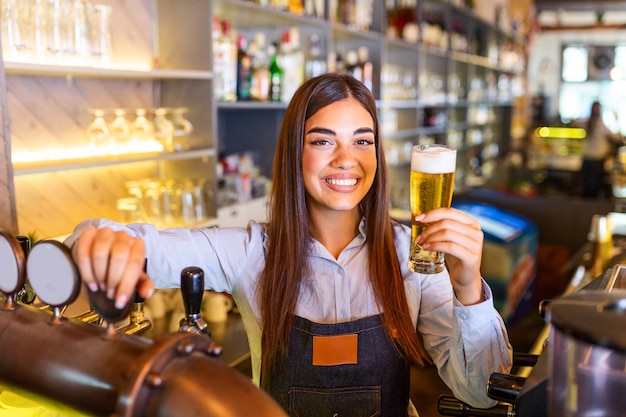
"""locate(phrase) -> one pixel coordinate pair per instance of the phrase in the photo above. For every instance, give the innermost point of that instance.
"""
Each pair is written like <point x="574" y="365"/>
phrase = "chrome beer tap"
<point x="192" y="289"/>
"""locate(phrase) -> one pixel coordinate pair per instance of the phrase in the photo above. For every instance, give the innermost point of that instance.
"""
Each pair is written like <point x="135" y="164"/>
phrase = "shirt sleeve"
<point x="466" y="343"/>
<point x="224" y="254"/>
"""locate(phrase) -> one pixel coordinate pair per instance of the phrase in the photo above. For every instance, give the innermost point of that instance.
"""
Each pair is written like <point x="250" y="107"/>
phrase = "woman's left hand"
<point x="460" y="237"/>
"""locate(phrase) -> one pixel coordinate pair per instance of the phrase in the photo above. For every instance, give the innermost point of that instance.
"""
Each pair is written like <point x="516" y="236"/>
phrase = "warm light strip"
<point x="561" y="132"/>
<point x="59" y="155"/>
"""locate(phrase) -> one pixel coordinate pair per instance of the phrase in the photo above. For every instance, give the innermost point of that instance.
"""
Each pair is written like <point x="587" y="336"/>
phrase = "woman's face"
<point x="338" y="157"/>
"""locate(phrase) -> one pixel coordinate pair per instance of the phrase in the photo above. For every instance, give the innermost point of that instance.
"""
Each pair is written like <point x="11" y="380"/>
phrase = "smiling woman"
<point x="339" y="166"/>
<point x="353" y="317"/>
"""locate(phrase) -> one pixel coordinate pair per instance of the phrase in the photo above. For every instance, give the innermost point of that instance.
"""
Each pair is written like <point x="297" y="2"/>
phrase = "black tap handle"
<point x="138" y="298"/>
<point x="24" y="243"/>
<point x="525" y="359"/>
<point x="192" y="288"/>
<point x="450" y="406"/>
<point x="504" y="387"/>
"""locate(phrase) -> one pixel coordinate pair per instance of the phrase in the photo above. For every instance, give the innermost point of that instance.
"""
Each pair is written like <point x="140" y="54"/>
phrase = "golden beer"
<point x="432" y="184"/>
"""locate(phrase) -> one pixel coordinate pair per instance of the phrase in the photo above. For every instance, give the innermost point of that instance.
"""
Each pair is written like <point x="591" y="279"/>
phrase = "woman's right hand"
<point x="112" y="261"/>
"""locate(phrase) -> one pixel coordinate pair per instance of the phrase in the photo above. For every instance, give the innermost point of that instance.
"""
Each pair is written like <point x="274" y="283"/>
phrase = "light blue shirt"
<point x="466" y="343"/>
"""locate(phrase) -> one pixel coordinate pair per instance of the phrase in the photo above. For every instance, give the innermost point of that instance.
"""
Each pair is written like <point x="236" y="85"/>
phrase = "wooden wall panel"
<point x="51" y="114"/>
<point x="8" y="215"/>
<point x="52" y="204"/>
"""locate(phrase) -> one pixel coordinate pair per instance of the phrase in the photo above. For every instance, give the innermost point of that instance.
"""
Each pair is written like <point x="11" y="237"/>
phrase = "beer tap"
<point x="450" y="406"/>
<point x="139" y="325"/>
<point x="53" y="276"/>
<point x="192" y="289"/>
<point x="25" y="295"/>
<point x="12" y="259"/>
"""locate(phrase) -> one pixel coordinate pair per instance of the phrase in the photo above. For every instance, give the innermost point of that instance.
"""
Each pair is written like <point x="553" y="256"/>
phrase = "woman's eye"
<point x="365" y="142"/>
<point x="319" y="142"/>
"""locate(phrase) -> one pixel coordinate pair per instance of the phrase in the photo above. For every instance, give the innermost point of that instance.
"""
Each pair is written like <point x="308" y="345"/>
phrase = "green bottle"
<point x="276" y="74"/>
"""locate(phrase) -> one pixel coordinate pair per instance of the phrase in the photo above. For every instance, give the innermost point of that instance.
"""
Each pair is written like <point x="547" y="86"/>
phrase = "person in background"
<point x="599" y="146"/>
<point x="334" y="317"/>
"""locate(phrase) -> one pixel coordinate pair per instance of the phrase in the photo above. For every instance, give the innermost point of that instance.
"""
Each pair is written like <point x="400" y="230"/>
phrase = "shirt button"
<point x="463" y="316"/>
<point x="344" y="312"/>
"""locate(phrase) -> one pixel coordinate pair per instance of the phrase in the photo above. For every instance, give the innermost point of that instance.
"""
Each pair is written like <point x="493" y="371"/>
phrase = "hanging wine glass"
<point x="98" y="131"/>
<point x="142" y="128"/>
<point x="164" y="129"/>
<point x="181" y="129"/>
<point x="120" y="128"/>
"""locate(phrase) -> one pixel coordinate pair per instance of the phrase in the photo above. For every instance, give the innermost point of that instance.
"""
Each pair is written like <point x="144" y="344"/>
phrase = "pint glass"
<point x="432" y="182"/>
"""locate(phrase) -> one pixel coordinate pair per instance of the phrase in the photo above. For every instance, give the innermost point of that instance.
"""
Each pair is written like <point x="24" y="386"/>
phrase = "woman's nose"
<point x="344" y="157"/>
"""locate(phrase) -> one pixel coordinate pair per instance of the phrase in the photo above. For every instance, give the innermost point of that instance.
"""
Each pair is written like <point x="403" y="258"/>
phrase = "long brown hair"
<point x="289" y="236"/>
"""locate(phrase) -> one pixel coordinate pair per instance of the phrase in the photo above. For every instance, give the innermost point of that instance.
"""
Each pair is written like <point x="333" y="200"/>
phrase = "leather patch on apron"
<point x="335" y="350"/>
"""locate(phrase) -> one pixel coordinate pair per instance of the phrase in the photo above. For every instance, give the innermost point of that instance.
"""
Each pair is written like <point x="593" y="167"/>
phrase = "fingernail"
<point x="110" y="293"/>
<point x="120" y="301"/>
<point x="420" y="217"/>
<point x="150" y="293"/>
<point x="93" y="287"/>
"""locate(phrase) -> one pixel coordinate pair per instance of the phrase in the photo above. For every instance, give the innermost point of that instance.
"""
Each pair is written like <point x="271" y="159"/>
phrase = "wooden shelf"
<point x="25" y="68"/>
<point x="67" y="165"/>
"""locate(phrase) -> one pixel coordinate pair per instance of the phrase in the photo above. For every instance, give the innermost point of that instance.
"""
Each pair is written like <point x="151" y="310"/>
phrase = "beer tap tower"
<point x="80" y="369"/>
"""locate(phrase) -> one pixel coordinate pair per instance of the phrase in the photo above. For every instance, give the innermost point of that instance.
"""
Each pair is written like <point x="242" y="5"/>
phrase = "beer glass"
<point x="432" y="182"/>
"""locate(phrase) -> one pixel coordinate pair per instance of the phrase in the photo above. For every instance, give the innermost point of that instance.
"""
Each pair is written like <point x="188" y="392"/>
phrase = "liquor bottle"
<point x="367" y="71"/>
<point x="260" y="87"/>
<point x="225" y="63"/>
<point x="315" y="62"/>
<point x="352" y="65"/>
<point x="276" y="74"/>
<point x="291" y="62"/>
<point x="244" y="69"/>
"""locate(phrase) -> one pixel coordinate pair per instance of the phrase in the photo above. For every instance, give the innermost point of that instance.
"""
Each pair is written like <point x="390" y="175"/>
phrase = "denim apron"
<point x="348" y="369"/>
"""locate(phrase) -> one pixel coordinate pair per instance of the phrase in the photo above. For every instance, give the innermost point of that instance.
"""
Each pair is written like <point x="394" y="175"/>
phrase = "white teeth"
<point x="341" y="182"/>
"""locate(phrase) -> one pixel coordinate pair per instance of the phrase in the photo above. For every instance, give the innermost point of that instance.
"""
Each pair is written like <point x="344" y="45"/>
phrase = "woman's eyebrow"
<point x="322" y="130"/>
<point x="327" y="131"/>
<point x="363" y="130"/>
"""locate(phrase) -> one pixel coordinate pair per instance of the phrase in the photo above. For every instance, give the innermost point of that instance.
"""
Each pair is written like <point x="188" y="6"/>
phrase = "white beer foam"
<point x="434" y="160"/>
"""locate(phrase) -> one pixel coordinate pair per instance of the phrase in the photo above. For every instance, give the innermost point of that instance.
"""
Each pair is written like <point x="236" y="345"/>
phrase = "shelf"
<point x="398" y="104"/>
<point x="403" y="134"/>
<point x="248" y="15"/>
<point x="65" y="165"/>
<point x="251" y="105"/>
<point x="402" y="45"/>
<point x="343" y="32"/>
<point x="25" y="68"/>
<point x="480" y="61"/>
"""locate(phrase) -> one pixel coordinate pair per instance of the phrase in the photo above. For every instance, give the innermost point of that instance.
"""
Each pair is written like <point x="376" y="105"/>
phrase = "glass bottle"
<point x="315" y="62"/>
<point x="244" y="69"/>
<point x="260" y="69"/>
<point x="225" y="62"/>
<point x="276" y="75"/>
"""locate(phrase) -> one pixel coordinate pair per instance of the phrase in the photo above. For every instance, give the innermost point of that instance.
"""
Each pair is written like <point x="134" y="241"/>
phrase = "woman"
<point x="599" y="146"/>
<point x="329" y="304"/>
